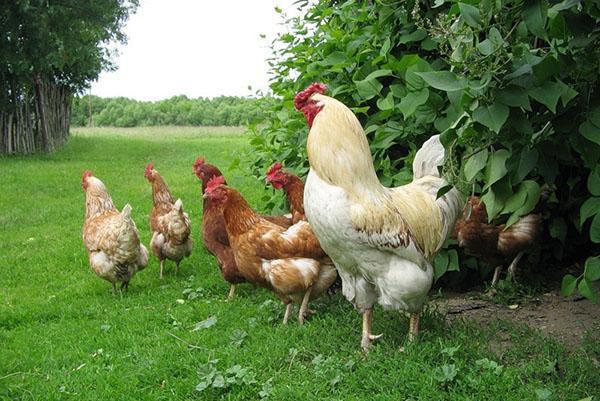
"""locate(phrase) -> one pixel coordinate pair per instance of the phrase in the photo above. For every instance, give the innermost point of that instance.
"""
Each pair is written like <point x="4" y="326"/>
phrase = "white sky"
<point x="194" y="48"/>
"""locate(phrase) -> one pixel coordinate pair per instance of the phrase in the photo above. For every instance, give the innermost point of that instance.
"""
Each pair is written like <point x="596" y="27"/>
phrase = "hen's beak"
<point x="204" y="196"/>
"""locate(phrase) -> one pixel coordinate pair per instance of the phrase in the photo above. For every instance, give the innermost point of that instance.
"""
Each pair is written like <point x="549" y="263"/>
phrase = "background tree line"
<point x="511" y="85"/>
<point x="50" y="49"/>
<point x="178" y="110"/>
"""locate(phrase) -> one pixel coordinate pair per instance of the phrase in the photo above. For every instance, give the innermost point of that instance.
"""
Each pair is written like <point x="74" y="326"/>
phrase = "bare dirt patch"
<point x="564" y="319"/>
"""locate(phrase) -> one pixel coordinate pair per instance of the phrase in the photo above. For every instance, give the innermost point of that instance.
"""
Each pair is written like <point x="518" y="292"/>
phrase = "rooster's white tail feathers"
<point x="428" y="158"/>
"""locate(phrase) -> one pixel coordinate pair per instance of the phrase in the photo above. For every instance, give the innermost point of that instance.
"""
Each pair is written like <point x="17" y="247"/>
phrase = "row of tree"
<point x="50" y="49"/>
<point x="512" y="87"/>
<point x="178" y="110"/>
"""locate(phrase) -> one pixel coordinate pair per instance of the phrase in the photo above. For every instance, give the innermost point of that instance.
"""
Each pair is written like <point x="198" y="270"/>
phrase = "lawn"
<point x="63" y="335"/>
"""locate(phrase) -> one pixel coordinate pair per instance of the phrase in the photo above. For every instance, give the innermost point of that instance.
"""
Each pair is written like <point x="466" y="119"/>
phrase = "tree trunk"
<point x="34" y="119"/>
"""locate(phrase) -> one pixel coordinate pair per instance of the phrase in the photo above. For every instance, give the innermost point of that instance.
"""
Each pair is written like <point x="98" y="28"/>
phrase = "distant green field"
<point x="64" y="336"/>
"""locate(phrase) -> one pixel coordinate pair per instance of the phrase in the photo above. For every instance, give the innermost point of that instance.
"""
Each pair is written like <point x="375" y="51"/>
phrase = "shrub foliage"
<point x="512" y="87"/>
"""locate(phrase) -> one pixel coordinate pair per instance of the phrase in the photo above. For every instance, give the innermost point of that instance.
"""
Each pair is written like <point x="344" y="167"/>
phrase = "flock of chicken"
<point x="380" y="241"/>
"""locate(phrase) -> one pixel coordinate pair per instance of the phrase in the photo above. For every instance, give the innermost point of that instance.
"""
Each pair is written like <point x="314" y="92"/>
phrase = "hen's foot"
<point x="302" y="313"/>
<point x="231" y="291"/>
<point x="288" y="310"/>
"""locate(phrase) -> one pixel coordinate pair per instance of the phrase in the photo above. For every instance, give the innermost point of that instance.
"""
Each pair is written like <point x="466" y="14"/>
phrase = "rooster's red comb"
<point x="302" y="97"/>
<point x="274" y="168"/>
<point x="214" y="183"/>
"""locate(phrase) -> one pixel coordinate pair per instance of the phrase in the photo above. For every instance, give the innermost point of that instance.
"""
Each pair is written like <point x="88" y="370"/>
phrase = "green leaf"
<point x="496" y="167"/>
<point x="440" y="264"/>
<point x="413" y="36"/>
<point x="527" y="162"/>
<point x="368" y="89"/>
<point x="590" y="132"/>
<point x="470" y="14"/>
<point x="592" y="268"/>
<point x="593" y="182"/>
<point x="496" y="196"/>
<point x="385" y="48"/>
<point x="412" y="100"/>
<point x="453" y="265"/>
<point x="492" y="116"/>
<point x="205" y="324"/>
<point x="569" y="283"/>
<point x="386" y="103"/>
<point x="378" y="74"/>
<point x="558" y="229"/>
<point x="547" y="68"/>
<point x="443" y="80"/>
<point x="589" y="208"/>
<point x="516" y="200"/>
<point x="586" y="288"/>
<point x="475" y="164"/>
<point x="567" y="93"/>
<point x="515" y="97"/>
<point x="534" y="15"/>
<point x="443" y="190"/>
<point x="547" y="94"/>
<point x="532" y="189"/>
<point x="595" y="229"/>
<point x="334" y="58"/>
<point x="543" y="394"/>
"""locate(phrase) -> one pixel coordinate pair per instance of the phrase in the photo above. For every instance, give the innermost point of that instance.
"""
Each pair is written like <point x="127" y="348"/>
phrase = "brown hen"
<point x="492" y="242"/>
<point x="290" y="262"/>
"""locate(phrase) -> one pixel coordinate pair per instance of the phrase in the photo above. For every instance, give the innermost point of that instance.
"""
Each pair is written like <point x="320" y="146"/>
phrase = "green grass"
<point x="64" y="336"/>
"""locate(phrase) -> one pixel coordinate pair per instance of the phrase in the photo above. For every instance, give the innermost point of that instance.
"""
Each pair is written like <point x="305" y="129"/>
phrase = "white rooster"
<point x="382" y="240"/>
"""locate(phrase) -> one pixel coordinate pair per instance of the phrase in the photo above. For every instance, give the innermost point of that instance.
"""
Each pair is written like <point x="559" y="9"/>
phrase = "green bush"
<point x="512" y="86"/>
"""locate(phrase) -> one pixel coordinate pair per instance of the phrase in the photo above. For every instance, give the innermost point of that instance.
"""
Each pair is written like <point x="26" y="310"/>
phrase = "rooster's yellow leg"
<point x="231" y="291"/>
<point x="413" y="330"/>
<point x="367" y="337"/>
<point x="304" y="306"/>
<point x="288" y="310"/>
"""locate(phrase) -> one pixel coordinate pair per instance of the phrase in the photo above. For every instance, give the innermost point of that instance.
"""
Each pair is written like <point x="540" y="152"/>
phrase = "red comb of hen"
<point x="274" y="168"/>
<point x="302" y="97"/>
<point x="148" y="170"/>
<point x="84" y="177"/>
<point x="214" y="182"/>
<point x="199" y="162"/>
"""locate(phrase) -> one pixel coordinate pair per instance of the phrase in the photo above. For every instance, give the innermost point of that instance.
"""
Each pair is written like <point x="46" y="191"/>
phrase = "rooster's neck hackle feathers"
<point x="338" y="149"/>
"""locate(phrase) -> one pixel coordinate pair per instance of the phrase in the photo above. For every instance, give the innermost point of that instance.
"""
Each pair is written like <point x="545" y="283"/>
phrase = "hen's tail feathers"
<point x="126" y="212"/>
<point x="520" y="235"/>
<point x="178" y="205"/>
<point x="428" y="158"/>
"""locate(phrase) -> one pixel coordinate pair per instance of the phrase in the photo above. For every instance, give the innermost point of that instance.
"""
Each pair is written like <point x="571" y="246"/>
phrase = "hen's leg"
<point x="125" y="286"/>
<point x="114" y="288"/>
<point x="288" y="310"/>
<point x="496" y="275"/>
<point x="231" y="291"/>
<point x="303" y="307"/>
<point x="161" y="268"/>
<point x="367" y="337"/>
<point x="413" y="330"/>
<point x="177" y="268"/>
<point x="512" y="269"/>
